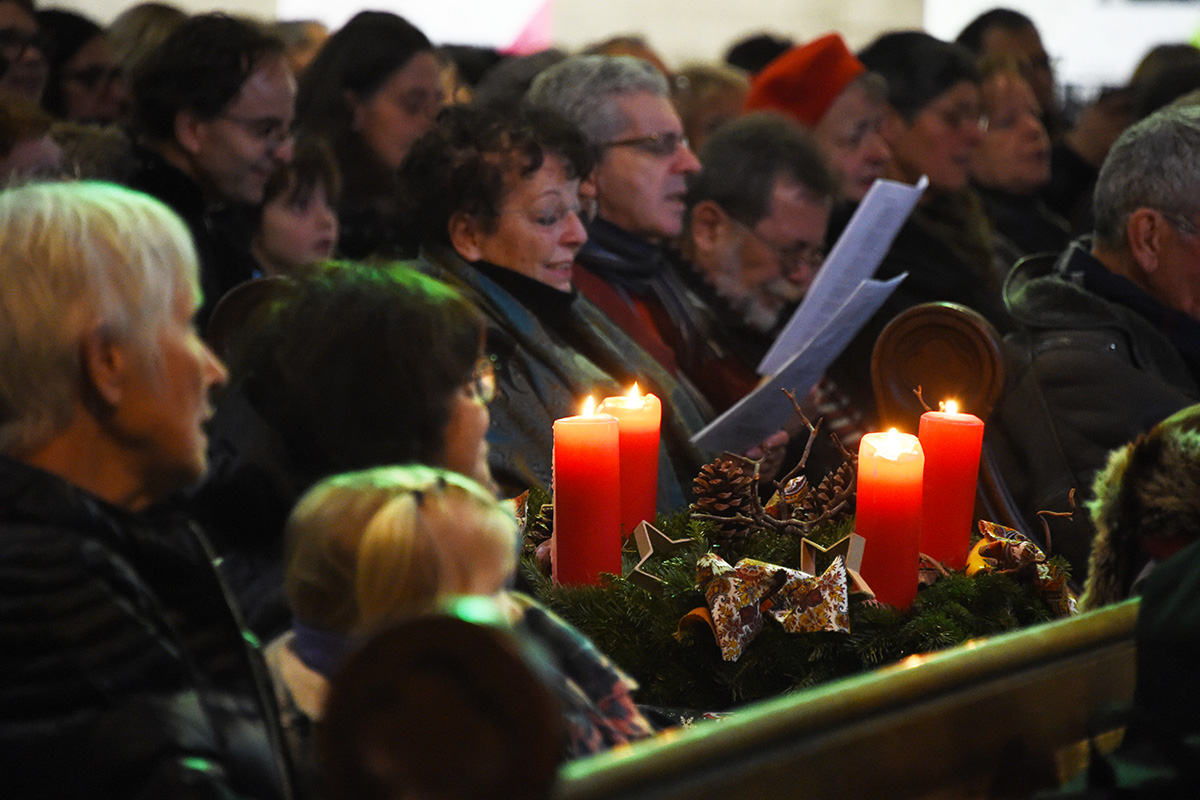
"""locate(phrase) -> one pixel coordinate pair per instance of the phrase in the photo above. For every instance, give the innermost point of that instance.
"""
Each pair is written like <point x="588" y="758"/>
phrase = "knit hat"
<point x="804" y="81"/>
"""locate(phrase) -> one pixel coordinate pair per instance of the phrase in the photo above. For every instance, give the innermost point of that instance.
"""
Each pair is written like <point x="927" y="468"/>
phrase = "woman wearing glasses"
<point x="933" y="126"/>
<point x="22" y="60"/>
<point x="86" y="84"/>
<point x="497" y="197"/>
<point x="348" y="367"/>
<point x="371" y="91"/>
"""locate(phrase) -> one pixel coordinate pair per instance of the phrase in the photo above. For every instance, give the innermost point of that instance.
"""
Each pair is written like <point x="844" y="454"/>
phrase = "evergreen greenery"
<point x="637" y="628"/>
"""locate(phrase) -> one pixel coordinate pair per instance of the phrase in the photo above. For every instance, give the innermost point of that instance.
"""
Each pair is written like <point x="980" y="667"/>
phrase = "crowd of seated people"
<point x="401" y="270"/>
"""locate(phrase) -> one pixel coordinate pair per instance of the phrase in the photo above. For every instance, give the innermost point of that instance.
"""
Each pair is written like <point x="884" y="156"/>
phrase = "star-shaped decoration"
<point x="850" y="548"/>
<point x="650" y="542"/>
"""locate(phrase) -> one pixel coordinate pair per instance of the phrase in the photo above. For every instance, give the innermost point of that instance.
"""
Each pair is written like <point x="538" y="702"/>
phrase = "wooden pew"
<point x="991" y="718"/>
<point x="947" y="351"/>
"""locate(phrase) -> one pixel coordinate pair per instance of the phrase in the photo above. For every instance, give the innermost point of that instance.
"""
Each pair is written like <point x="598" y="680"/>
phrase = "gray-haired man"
<point x="1109" y="339"/>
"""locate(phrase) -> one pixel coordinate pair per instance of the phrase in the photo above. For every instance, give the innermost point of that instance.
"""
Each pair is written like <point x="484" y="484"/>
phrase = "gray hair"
<point x="78" y="258"/>
<point x="1154" y="164"/>
<point x="584" y="89"/>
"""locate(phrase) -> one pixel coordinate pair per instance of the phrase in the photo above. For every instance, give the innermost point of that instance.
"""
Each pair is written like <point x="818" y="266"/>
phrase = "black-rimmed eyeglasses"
<point x="270" y="131"/>
<point x="791" y="257"/>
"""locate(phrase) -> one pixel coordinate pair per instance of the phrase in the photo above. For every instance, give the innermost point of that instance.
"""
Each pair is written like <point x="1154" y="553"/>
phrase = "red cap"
<point x="804" y="81"/>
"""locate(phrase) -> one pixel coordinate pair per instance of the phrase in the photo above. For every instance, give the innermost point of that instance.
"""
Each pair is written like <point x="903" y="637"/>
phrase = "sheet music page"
<point x="766" y="409"/>
<point x="854" y="258"/>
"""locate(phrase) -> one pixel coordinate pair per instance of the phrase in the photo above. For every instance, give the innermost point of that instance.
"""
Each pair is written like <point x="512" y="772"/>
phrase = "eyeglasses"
<point x="483" y="380"/>
<point x="791" y="257"/>
<point x="416" y="102"/>
<point x="548" y="215"/>
<point x="962" y="117"/>
<point x="14" y="43"/>
<point x="270" y="131"/>
<point x="1008" y="121"/>
<point x="91" y="77"/>
<point x="662" y="145"/>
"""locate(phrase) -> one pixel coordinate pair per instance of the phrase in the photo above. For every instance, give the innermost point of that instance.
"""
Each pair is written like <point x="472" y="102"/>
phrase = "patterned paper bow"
<point x="1009" y="552"/>
<point x="738" y="596"/>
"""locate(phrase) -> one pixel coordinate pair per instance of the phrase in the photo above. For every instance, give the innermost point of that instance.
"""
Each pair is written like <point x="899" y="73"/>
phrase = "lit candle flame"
<point x="634" y="394"/>
<point x="949" y="406"/>
<point x="589" y="407"/>
<point x="892" y="445"/>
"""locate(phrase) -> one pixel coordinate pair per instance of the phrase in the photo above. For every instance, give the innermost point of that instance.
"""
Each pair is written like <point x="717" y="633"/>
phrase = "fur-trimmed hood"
<point x="1147" y="505"/>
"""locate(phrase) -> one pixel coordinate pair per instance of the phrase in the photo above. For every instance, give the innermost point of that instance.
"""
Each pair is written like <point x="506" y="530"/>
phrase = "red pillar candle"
<point x="890" y="467"/>
<point x="587" y="503"/>
<point x="951" y="442"/>
<point x="638" y="417"/>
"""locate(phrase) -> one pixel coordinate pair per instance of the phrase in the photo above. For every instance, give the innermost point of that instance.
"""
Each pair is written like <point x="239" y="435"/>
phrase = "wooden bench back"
<point x="988" y="718"/>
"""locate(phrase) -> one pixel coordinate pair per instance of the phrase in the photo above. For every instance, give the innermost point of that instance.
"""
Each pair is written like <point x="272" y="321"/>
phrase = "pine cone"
<point x="832" y="490"/>
<point x="541" y="525"/>
<point x="725" y="488"/>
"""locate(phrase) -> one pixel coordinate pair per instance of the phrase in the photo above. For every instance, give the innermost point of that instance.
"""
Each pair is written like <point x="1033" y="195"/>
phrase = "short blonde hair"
<point x="78" y="257"/>
<point x="370" y="547"/>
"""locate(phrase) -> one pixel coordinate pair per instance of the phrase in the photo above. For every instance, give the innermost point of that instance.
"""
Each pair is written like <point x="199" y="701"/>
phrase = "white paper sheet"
<point x="854" y="258"/>
<point x="767" y="408"/>
<point x="839" y="302"/>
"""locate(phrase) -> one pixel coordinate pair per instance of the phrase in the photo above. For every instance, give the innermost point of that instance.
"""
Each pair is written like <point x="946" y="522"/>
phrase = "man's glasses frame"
<point x="663" y="144"/>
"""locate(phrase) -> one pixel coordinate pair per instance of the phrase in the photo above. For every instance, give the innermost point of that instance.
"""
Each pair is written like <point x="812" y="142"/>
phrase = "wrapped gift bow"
<point x="738" y="596"/>
<point x="1009" y="552"/>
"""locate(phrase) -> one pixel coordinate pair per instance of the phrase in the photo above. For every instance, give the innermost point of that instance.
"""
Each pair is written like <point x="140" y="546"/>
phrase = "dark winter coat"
<point x="553" y="349"/>
<point x="124" y="671"/>
<point x="1092" y="366"/>
<point x="222" y="233"/>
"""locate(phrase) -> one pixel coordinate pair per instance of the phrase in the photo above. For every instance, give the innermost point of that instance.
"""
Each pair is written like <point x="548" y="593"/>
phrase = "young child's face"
<point x="296" y="231"/>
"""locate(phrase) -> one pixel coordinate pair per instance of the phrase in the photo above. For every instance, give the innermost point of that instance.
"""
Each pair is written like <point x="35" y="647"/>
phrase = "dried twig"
<point x="917" y="392"/>
<point x="1044" y="515"/>
<point x="827" y="514"/>
<point x="812" y="437"/>
<point x="759" y="519"/>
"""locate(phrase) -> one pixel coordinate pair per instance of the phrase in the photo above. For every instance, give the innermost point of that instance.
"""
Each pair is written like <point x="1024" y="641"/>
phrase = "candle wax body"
<point x="587" y="505"/>
<point x="638" y="419"/>
<point x="951" y="443"/>
<point x="889" y="518"/>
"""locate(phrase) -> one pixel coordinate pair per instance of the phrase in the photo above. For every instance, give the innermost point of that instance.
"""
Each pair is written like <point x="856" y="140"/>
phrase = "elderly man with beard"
<point x="753" y="239"/>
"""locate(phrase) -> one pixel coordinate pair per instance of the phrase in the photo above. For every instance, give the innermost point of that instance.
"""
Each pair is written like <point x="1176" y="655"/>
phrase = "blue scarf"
<point x="321" y="651"/>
